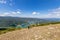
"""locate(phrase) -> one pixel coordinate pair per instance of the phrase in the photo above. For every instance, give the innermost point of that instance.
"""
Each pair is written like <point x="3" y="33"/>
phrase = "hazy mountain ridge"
<point x="9" y="21"/>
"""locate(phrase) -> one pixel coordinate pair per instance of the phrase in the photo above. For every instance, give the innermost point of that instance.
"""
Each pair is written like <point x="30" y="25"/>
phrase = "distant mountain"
<point x="9" y="21"/>
<point x="52" y="19"/>
<point x="13" y="21"/>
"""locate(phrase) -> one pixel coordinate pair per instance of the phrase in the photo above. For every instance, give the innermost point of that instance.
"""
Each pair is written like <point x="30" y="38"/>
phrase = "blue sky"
<point x="30" y="8"/>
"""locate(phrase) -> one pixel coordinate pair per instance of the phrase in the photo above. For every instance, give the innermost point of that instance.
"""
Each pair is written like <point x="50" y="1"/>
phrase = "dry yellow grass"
<point x="49" y="32"/>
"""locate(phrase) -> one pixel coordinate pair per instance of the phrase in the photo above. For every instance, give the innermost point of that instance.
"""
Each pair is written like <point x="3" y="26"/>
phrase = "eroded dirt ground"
<point x="49" y="32"/>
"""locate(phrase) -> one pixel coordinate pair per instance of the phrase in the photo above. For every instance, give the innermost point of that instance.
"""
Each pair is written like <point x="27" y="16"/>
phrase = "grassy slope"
<point x="35" y="25"/>
<point x="48" y="32"/>
<point x="8" y="30"/>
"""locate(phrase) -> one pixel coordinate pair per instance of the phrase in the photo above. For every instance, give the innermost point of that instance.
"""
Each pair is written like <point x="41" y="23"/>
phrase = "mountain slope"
<point x="9" y="21"/>
<point x="50" y="32"/>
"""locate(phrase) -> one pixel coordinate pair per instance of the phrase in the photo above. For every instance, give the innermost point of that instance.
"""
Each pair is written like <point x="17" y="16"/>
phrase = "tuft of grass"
<point x="42" y="24"/>
<point x="8" y="30"/>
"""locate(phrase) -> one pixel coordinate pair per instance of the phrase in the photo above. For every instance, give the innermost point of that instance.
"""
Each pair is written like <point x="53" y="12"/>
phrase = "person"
<point x="28" y="27"/>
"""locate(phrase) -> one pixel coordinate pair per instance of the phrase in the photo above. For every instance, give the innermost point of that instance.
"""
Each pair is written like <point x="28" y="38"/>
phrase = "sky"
<point x="30" y="8"/>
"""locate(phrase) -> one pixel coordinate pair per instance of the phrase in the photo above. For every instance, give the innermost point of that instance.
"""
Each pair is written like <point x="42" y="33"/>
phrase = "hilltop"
<point x="48" y="32"/>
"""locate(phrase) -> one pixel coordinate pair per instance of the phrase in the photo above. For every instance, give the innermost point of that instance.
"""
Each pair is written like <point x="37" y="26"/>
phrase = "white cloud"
<point x="35" y="13"/>
<point x="11" y="3"/>
<point x="54" y="13"/>
<point x="18" y="12"/>
<point x="8" y="2"/>
<point x="11" y="13"/>
<point x="3" y="1"/>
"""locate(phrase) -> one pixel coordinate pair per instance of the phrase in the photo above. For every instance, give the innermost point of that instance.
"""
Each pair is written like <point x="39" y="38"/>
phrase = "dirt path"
<point x="50" y="32"/>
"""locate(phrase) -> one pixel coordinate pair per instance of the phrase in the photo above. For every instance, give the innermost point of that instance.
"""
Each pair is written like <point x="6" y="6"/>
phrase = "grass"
<point x="42" y="24"/>
<point x="2" y="31"/>
<point x="8" y="30"/>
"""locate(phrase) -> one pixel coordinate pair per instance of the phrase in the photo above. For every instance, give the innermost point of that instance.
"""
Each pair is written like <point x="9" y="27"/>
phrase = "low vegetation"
<point x="43" y="24"/>
<point x="4" y="30"/>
